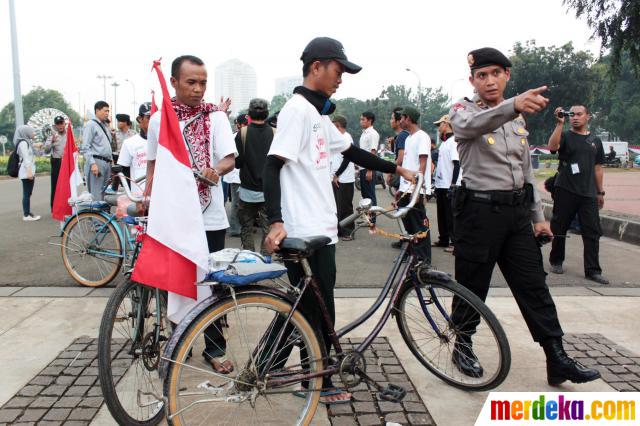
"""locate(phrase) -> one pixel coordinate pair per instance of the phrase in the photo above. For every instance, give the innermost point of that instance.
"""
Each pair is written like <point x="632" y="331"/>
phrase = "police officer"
<point x="494" y="211"/>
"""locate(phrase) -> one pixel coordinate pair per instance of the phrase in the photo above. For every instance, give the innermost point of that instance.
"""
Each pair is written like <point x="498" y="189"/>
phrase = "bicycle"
<point x="95" y="244"/>
<point x="279" y="357"/>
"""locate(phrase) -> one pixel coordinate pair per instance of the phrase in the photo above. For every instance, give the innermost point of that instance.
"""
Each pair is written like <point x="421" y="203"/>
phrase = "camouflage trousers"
<point x="249" y="214"/>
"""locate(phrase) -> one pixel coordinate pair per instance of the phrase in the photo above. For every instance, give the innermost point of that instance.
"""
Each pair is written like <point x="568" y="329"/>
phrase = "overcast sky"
<point x="65" y="44"/>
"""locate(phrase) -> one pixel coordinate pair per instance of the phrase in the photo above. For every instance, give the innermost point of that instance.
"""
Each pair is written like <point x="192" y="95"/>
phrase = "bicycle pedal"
<point x="392" y="393"/>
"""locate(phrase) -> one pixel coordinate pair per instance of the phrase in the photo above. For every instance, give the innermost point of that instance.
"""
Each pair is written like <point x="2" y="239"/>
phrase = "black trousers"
<point x="55" y="171"/>
<point x="27" y="190"/>
<point x="445" y="217"/>
<point x="323" y="266"/>
<point x="565" y="207"/>
<point x="214" y="343"/>
<point x="416" y="221"/>
<point x="343" y="195"/>
<point x="487" y="234"/>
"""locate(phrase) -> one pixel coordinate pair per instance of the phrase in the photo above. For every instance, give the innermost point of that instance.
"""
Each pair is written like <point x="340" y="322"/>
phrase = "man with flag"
<point x="68" y="178"/>
<point x="187" y="219"/>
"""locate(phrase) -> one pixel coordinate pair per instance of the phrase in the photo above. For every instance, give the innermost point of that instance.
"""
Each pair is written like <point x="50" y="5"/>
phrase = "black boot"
<point x="465" y="359"/>
<point x="561" y="367"/>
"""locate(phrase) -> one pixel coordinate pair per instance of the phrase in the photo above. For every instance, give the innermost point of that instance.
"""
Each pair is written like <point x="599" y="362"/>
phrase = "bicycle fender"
<point x="67" y="220"/>
<point x="171" y="345"/>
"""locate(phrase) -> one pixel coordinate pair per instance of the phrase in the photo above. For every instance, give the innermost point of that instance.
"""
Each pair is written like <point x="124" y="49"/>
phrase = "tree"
<point x="277" y="102"/>
<point x="33" y="101"/>
<point x="617" y="24"/>
<point x="567" y="73"/>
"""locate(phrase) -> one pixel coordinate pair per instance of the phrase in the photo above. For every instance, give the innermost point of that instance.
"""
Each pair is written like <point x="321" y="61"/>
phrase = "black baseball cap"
<point x="487" y="56"/>
<point x="412" y="113"/>
<point x="145" y="109"/>
<point x="58" y="120"/>
<point x="123" y="118"/>
<point x="321" y="48"/>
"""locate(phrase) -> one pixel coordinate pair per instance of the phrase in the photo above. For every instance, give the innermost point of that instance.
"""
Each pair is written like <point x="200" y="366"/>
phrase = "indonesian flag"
<point x="174" y="254"/>
<point x="154" y="107"/>
<point x="68" y="179"/>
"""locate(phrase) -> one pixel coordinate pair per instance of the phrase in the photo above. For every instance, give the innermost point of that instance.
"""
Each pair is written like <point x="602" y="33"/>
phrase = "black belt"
<point x="100" y="157"/>
<point x="503" y="198"/>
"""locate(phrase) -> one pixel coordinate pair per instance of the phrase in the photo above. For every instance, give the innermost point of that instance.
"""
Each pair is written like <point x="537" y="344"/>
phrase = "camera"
<point x="564" y="114"/>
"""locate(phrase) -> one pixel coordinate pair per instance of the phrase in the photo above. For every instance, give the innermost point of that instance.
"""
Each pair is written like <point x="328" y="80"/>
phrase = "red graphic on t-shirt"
<point x="322" y="152"/>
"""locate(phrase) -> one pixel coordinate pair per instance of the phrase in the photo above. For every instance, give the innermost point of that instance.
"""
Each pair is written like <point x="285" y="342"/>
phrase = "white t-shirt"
<point x="306" y="140"/>
<point x="369" y="139"/>
<point x="447" y="154"/>
<point x="222" y="144"/>
<point x="133" y="154"/>
<point x="416" y="145"/>
<point x="234" y="175"/>
<point x="349" y="174"/>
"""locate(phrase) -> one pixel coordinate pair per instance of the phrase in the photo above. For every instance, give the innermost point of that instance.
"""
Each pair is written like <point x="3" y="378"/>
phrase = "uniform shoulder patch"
<point x="458" y="106"/>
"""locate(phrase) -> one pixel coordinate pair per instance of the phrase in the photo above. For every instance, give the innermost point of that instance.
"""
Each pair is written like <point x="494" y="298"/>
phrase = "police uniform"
<point x="494" y="208"/>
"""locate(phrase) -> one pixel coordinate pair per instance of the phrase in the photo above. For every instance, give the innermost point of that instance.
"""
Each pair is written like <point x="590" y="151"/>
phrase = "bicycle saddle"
<point x="304" y="246"/>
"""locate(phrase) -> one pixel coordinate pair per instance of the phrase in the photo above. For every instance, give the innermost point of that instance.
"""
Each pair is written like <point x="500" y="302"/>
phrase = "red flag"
<point x="154" y="107"/>
<point x="174" y="254"/>
<point x="68" y="179"/>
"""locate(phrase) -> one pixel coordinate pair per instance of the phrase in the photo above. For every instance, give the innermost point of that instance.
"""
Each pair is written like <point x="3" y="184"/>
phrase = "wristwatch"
<point x="601" y="193"/>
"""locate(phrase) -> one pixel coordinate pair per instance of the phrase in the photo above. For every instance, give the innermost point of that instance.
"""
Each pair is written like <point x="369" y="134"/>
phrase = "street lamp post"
<point x="419" y="89"/>
<point x="133" y="87"/>
<point x="17" y="95"/>
<point x="104" y="85"/>
<point x="115" y="85"/>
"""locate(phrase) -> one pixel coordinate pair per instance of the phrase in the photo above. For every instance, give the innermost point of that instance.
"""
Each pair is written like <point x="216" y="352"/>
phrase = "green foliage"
<point x="33" y="101"/>
<point x="567" y="73"/>
<point x="43" y="165"/>
<point x="617" y="24"/>
<point x="277" y="102"/>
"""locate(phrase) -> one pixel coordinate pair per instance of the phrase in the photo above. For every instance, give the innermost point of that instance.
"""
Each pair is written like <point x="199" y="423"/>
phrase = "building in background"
<point x="236" y="80"/>
<point x="285" y="85"/>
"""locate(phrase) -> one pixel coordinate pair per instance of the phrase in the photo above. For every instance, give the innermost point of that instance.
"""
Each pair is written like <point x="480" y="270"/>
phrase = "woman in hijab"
<point x="23" y="141"/>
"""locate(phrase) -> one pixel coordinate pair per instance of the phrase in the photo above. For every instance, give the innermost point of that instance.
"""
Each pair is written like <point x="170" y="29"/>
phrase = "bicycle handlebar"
<point x="127" y="190"/>
<point x="366" y="207"/>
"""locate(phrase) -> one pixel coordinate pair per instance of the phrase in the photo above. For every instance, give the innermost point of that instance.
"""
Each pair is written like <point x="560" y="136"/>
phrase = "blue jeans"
<point x="27" y="190"/>
<point x="368" y="189"/>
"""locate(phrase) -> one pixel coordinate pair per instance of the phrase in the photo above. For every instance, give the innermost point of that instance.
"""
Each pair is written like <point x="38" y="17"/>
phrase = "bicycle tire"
<point x="115" y="360"/>
<point x="493" y="336"/>
<point x="76" y="242"/>
<point x="180" y="387"/>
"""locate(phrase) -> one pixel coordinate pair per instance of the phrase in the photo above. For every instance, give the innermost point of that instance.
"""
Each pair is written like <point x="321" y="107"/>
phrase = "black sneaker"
<point x="598" y="278"/>
<point x="466" y="360"/>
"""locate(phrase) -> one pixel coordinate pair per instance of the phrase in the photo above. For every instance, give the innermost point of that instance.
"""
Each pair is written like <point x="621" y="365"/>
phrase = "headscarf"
<point x="198" y="136"/>
<point x="23" y="132"/>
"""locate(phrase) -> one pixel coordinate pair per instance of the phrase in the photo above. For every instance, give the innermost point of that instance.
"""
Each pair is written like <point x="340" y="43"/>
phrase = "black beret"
<point x="487" y="56"/>
<point x="123" y="117"/>
<point x="58" y="120"/>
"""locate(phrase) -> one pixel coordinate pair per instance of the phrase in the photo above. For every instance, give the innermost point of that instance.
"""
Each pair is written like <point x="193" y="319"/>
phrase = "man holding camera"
<point x="578" y="189"/>
<point x="498" y="214"/>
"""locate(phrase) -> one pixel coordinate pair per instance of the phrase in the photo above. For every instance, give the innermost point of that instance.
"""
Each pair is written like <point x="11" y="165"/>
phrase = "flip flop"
<point x="222" y="368"/>
<point x="303" y="394"/>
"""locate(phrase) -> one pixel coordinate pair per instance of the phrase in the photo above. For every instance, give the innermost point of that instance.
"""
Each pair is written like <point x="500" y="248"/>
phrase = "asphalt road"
<point x="29" y="255"/>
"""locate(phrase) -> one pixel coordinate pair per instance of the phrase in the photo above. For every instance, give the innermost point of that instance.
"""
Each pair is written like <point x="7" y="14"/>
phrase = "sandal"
<point x="325" y="396"/>
<point x="221" y="365"/>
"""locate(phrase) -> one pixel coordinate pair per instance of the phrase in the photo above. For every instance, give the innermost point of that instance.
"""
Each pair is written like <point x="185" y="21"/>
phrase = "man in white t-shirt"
<point x="369" y="141"/>
<point x="343" y="174"/>
<point x="133" y="152"/>
<point x="448" y="176"/>
<point x="417" y="150"/>
<point x="297" y="178"/>
<point x="232" y="180"/>
<point x="212" y="152"/>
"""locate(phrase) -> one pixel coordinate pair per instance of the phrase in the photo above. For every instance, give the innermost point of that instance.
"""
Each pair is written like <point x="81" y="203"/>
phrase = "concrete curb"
<point x="621" y="228"/>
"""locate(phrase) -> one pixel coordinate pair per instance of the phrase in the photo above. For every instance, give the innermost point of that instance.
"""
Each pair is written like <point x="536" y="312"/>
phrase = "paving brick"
<point x="628" y="377"/>
<point x="389" y="361"/>
<point x="96" y="402"/>
<point x="95" y="391"/>
<point x="83" y="414"/>
<point x="81" y="362"/>
<point x="54" y="390"/>
<point x="622" y="387"/>
<point x="420" y="419"/>
<point x="52" y="371"/>
<point x="68" y="402"/>
<point x="19" y="402"/>
<point x="57" y="414"/>
<point x="88" y="354"/>
<point x="411" y="397"/>
<point x="32" y="415"/>
<point x="84" y="339"/>
<point x="396" y="418"/>
<point x="30" y="390"/>
<point x="91" y="371"/>
<point x="414" y="407"/>
<point x="605" y="361"/>
<point x="343" y="421"/>
<point x="64" y="380"/>
<point x="393" y="369"/>
<point x="76" y="423"/>
<point x="622" y="360"/>
<point x="60" y="362"/>
<point x="581" y="347"/>
<point x="362" y="396"/>
<point x="77" y="347"/>
<point x="369" y="420"/>
<point x="9" y="415"/>
<point x="73" y="371"/>
<point x="594" y="353"/>
<point x="635" y="385"/>
<point x="85" y="380"/>
<point x="587" y="361"/>
<point x="22" y="424"/>
<point x="389" y="407"/>
<point x="633" y="368"/>
<point x="609" y="378"/>
<point x="340" y="409"/>
<point x="43" y="402"/>
<point x="69" y="354"/>
<point x="364" y="407"/>
<point x="42" y="380"/>
<point x="77" y="391"/>
<point x="617" y="369"/>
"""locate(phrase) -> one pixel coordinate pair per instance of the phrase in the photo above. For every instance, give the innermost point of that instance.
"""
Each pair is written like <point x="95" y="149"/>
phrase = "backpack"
<point x="13" y="165"/>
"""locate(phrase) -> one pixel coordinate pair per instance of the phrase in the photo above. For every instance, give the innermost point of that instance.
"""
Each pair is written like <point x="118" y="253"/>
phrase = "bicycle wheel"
<point x="91" y="249"/>
<point x="250" y="394"/>
<point x="465" y="324"/>
<point x="133" y="332"/>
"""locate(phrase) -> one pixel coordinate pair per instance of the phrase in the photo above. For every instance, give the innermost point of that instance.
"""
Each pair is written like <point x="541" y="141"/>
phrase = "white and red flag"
<point x="174" y="254"/>
<point x="68" y="179"/>
<point x="154" y="106"/>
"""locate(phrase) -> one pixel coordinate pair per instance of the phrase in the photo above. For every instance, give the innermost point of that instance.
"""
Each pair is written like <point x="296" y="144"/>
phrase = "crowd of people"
<point x="295" y="177"/>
